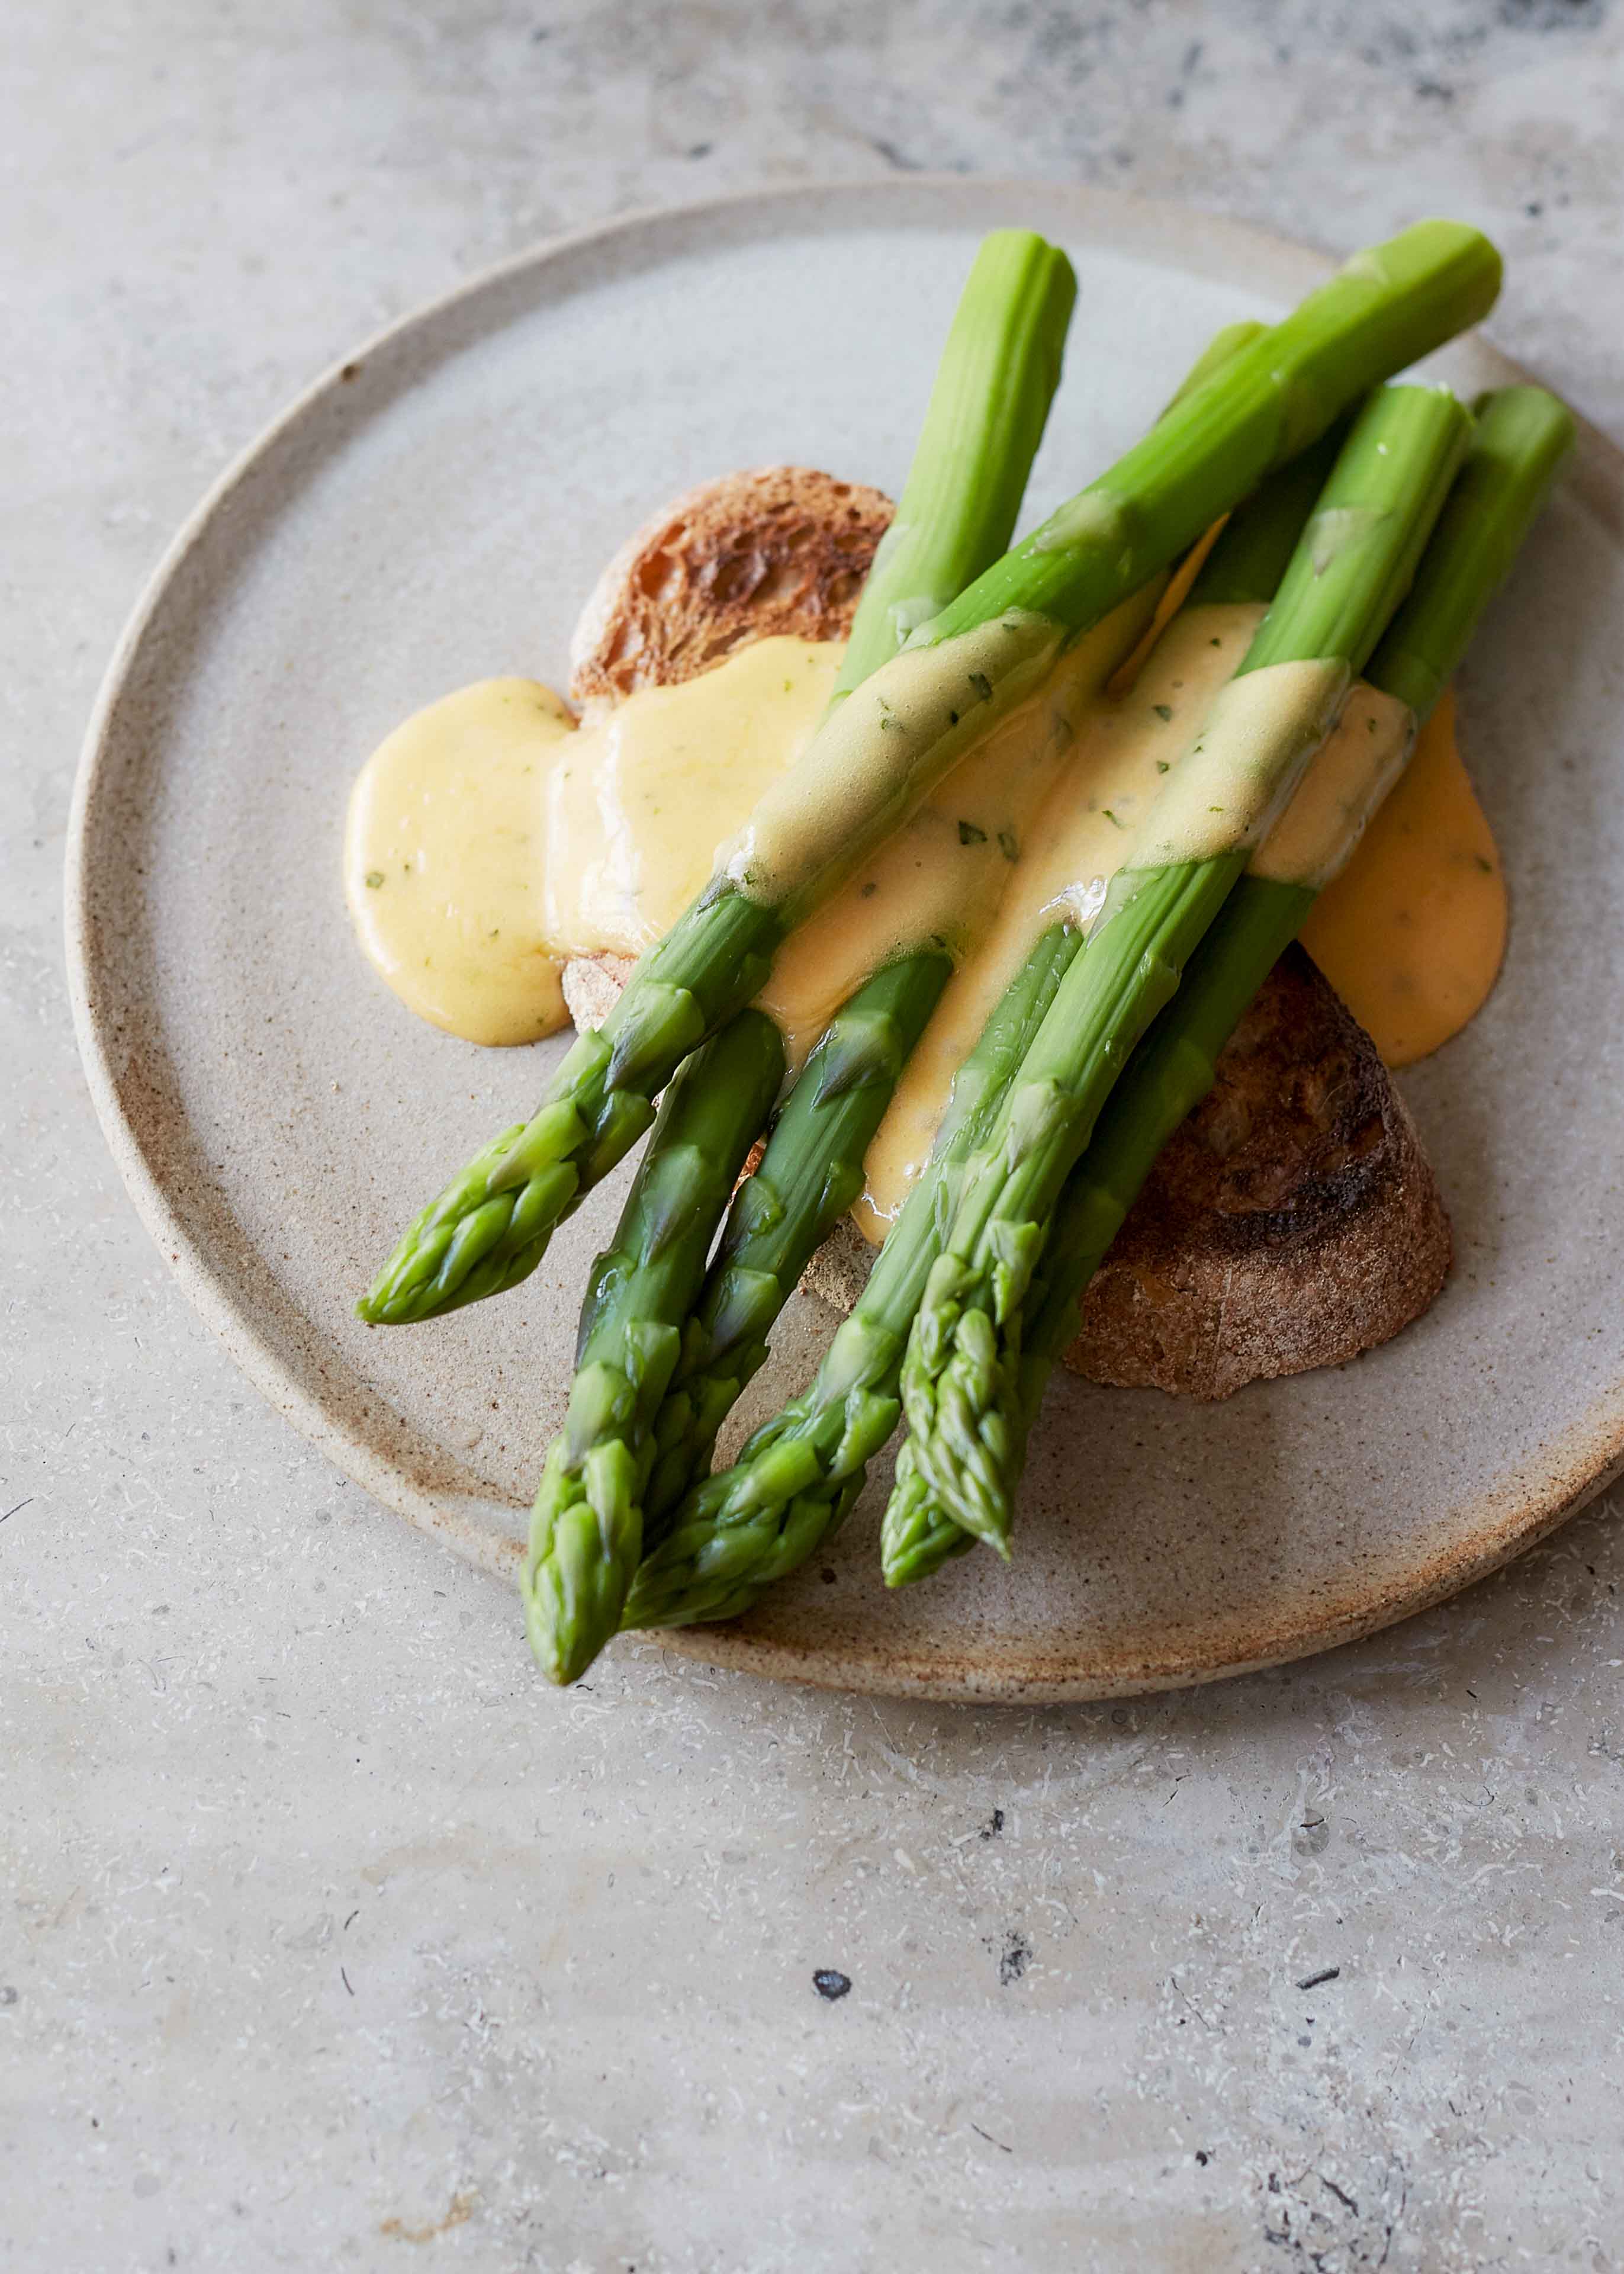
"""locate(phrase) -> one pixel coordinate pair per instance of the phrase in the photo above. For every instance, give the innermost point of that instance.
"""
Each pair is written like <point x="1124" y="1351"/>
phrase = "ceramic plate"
<point x="435" y="511"/>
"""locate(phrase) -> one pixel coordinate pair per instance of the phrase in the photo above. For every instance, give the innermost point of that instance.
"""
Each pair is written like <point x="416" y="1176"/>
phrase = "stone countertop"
<point x="326" y="1936"/>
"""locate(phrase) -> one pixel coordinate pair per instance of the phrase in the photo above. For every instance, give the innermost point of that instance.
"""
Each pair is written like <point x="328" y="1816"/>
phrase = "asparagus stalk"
<point x="800" y="1473"/>
<point x="919" y="1532"/>
<point x="586" y="1530"/>
<point x="918" y="1535"/>
<point x="1523" y="436"/>
<point x="600" y="1502"/>
<point x="983" y="423"/>
<point x="1354" y="564"/>
<point x="884" y="748"/>
<point x="810" y="1175"/>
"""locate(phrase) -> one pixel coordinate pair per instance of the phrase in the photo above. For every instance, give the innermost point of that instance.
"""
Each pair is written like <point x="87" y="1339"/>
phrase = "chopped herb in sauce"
<point x="1164" y="765"/>
<point x="1114" y="820"/>
<point x="969" y="834"/>
<point x="374" y="878"/>
<point x="1164" y="711"/>
<point x="982" y="685"/>
<point x="1007" y="846"/>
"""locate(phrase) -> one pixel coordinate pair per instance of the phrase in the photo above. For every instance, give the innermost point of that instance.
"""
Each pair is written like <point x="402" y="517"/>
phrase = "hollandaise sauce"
<point x="491" y="837"/>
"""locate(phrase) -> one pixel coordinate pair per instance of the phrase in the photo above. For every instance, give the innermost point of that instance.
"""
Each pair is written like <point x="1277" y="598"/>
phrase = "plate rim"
<point x="1106" y="217"/>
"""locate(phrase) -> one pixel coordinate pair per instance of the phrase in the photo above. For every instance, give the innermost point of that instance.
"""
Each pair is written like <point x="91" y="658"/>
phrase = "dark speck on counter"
<point x="1013" y="1958"/>
<point x="830" y="1985"/>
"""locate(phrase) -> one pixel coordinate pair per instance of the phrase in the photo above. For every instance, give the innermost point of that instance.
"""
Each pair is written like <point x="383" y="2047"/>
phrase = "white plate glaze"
<point x="435" y="511"/>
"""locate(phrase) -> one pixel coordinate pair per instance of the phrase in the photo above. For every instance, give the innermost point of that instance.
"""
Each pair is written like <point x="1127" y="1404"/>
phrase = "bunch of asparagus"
<point x="1104" y="1038"/>
<point x="939" y="1505"/>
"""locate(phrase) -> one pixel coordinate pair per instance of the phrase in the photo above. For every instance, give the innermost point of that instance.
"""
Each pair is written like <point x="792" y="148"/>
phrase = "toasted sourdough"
<point x="783" y="549"/>
<point x="1292" y="1222"/>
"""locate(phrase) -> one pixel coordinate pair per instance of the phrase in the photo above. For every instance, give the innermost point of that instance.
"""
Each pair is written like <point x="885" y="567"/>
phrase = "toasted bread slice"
<point x="781" y="550"/>
<point x="1293" y="1221"/>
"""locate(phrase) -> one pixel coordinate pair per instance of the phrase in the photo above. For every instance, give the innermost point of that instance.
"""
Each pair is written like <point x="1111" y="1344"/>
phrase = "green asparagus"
<point x="798" y="1475"/>
<point x="984" y="421"/>
<point x="813" y="1169"/>
<point x="1354" y="564"/>
<point x="740" y="1531"/>
<point x="586" y="1530"/>
<point x="1523" y="437"/>
<point x="490" y="1227"/>
<point x="885" y="746"/>
<point x="809" y="1176"/>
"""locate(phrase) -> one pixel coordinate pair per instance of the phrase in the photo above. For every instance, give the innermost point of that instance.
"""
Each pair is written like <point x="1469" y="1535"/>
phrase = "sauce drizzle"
<point x="489" y="838"/>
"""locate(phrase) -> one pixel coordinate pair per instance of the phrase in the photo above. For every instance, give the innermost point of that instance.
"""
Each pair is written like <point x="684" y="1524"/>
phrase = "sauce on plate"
<point x="491" y="837"/>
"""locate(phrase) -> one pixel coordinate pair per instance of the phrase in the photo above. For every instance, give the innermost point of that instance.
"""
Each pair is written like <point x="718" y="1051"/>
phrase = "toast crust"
<point x="1291" y="1222"/>
<point x="779" y="550"/>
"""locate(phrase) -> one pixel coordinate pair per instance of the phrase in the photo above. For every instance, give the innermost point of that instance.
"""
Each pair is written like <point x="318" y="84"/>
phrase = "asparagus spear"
<point x="758" y="1521"/>
<point x="884" y="748"/>
<point x="798" y="1475"/>
<point x="983" y="423"/>
<point x="918" y="1535"/>
<point x="810" y="1175"/>
<point x="1523" y="437"/>
<point x="1355" y="562"/>
<point x="586" y="1530"/>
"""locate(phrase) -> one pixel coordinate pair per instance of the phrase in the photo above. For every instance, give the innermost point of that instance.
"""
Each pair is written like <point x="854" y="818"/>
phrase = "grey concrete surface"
<point x="328" y="1939"/>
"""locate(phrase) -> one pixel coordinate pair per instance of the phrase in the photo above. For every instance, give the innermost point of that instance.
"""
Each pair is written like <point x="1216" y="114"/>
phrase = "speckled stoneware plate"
<point x="435" y="511"/>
